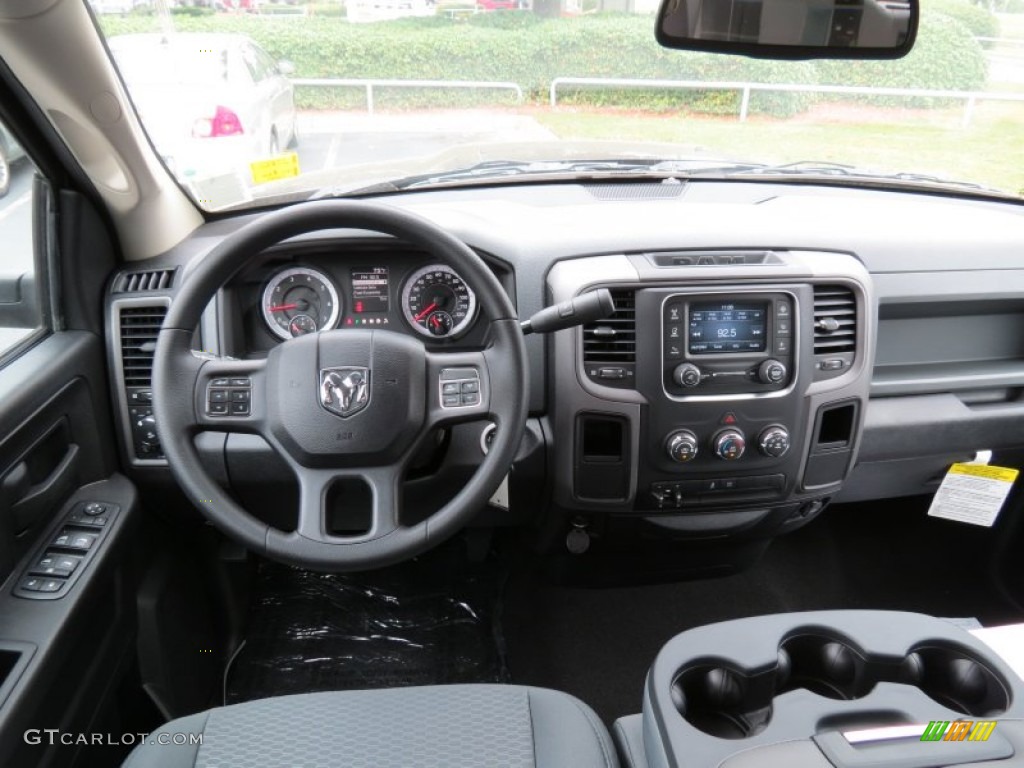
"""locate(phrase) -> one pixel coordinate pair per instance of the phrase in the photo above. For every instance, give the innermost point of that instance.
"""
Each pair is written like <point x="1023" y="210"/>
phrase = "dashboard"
<point x="774" y="348"/>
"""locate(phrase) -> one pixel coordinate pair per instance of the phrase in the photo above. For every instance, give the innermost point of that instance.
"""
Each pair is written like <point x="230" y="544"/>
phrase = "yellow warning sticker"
<point x="973" y="493"/>
<point x="281" y="167"/>
<point x="1005" y="474"/>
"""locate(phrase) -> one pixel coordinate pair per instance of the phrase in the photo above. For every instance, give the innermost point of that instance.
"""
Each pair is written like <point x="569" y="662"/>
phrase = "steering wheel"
<point x="341" y="404"/>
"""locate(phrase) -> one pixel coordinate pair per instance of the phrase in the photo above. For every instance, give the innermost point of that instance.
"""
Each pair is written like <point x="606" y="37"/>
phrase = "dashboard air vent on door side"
<point x="152" y="280"/>
<point x="609" y="345"/>
<point x="835" y="330"/>
<point x="139" y="329"/>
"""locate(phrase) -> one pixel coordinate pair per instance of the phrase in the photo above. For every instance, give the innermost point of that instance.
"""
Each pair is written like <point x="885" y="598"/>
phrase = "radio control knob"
<point x="682" y="446"/>
<point x="772" y="372"/>
<point x="729" y="444"/>
<point x="686" y="375"/>
<point x="774" y="441"/>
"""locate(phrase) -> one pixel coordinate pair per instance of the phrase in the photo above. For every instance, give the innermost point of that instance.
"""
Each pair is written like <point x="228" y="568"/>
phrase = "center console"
<point x="723" y="396"/>
<point x="827" y="689"/>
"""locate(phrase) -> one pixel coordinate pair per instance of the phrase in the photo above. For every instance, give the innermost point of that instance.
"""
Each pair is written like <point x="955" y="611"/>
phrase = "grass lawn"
<point x="990" y="151"/>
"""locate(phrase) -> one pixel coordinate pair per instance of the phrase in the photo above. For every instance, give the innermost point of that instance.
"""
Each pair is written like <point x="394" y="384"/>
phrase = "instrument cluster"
<point x="308" y="295"/>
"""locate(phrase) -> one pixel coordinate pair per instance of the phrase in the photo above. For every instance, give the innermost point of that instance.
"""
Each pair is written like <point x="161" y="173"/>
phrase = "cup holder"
<point x="724" y="700"/>
<point x="959" y="681"/>
<point x="826" y="666"/>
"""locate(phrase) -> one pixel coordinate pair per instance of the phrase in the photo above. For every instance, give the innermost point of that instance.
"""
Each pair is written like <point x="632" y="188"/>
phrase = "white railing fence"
<point x="368" y="85"/>
<point x="970" y="98"/>
<point x="745" y="89"/>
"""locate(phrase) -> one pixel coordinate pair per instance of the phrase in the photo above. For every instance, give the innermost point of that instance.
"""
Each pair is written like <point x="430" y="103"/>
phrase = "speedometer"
<point x="437" y="302"/>
<point x="300" y="300"/>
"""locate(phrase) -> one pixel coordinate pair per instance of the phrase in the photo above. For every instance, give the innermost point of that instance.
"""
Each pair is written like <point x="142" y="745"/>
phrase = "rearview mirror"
<point x="791" y="29"/>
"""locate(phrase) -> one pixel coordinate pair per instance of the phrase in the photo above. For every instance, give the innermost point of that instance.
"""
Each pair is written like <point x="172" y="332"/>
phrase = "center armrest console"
<point x="828" y="689"/>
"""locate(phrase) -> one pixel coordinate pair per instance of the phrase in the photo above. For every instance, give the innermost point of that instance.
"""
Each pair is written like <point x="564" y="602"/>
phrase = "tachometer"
<point x="437" y="302"/>
<point x="300" y="300"/>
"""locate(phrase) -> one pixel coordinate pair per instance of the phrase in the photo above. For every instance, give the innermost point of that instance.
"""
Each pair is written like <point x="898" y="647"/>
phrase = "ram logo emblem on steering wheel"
<point x="344" y="391"/>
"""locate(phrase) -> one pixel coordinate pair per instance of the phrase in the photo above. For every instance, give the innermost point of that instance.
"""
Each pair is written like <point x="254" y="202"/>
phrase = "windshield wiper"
<point x="668" y="171"/>
<point x="826" y="169"/>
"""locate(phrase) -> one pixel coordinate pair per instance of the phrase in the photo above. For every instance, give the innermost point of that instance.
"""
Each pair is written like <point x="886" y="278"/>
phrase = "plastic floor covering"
<point x="419" y="623"/>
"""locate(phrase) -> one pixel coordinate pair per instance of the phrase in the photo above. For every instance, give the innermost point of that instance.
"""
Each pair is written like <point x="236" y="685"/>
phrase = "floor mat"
<point x="426" y="622"/>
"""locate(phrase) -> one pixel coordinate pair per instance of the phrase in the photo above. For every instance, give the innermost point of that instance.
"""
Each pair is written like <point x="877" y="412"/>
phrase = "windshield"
<point x="251" y="102"/>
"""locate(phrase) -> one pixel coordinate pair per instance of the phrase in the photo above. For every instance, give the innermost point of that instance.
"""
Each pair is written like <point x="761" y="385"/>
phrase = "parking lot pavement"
<point x="336" y="139"/>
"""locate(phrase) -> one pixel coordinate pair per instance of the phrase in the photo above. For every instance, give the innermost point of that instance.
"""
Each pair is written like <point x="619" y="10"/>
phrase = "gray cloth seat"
<point x="451" y="726"/>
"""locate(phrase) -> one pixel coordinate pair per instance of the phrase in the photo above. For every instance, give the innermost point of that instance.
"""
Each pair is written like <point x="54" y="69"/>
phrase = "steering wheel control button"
<point x="229" y="397"/>
<point x="774" y="441"/>
<point x="460" y="387"/>
<point x="729" y="444"/>
<point x="682" y="446"/>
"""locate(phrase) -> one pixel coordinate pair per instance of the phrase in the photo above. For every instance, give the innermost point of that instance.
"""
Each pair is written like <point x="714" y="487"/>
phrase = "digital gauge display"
<point x="370" y="290"/>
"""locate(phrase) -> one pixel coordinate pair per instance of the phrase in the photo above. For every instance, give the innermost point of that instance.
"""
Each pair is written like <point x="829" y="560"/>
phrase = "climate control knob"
<point x="771" y="372"/>
<point x="687" y="375"/>
<point x="729" y="444"/>
<point x="682" y="446"/>
<point x="774" y="441"/>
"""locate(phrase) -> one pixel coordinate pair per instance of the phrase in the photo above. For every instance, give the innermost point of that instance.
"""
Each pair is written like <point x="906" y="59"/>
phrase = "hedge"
<point x="524" y="48"/>
<point x="946" y="57"/>
<point x="977" y="19"/>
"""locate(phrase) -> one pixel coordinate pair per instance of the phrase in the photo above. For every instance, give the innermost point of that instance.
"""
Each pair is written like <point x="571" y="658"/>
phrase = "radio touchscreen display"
<point x="717" y="328"/>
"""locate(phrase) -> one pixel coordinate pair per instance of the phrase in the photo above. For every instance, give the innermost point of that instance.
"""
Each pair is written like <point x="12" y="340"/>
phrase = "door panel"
<point x="52" y="408"/>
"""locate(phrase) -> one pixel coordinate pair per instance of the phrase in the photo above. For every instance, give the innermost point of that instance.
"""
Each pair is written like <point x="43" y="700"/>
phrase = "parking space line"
<point x="332" y="151"/>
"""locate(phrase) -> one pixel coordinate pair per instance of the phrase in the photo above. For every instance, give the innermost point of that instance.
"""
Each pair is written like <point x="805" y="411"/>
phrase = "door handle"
<point x="29" y="501"/>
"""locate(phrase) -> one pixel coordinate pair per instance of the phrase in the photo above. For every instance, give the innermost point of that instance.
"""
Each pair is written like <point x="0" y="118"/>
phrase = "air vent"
<point x="153" y="280"/>
<point x="609" y="345"/>
<point x="835" y="320"/>
<point x="139" y="329"/>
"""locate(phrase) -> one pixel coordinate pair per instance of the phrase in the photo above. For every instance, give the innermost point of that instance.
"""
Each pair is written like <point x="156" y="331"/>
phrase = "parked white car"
<point x="212" y="103"/>
<point x="10" y="151"/>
